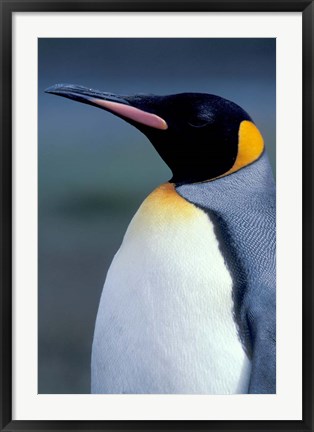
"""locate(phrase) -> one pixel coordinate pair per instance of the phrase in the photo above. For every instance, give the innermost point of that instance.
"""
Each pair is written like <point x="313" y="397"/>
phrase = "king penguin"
<point x="189" y="302"/>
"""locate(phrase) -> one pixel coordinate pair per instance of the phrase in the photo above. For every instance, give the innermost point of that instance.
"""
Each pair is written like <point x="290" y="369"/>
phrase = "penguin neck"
<point x="253" y="179"/>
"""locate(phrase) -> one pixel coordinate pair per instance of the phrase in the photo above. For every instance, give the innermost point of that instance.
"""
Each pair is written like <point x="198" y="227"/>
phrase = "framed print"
<point x="156" y="215"/>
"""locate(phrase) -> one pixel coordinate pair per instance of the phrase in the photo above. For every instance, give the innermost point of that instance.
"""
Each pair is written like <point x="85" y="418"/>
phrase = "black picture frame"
<point x="8" y="7"/>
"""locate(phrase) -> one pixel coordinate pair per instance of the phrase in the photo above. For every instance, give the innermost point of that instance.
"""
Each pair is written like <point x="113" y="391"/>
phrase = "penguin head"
<point x="200" y="136"/>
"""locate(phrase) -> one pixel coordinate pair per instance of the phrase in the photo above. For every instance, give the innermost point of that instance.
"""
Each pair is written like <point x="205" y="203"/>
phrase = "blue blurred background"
<point x="95" y="170"/>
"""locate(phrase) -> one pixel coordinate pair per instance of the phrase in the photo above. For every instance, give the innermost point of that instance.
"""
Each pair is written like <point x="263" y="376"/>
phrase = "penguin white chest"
<point x="165" y="320"/>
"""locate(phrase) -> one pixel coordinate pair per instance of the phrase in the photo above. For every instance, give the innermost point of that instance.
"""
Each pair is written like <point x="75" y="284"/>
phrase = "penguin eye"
<point x="198" y="123"/>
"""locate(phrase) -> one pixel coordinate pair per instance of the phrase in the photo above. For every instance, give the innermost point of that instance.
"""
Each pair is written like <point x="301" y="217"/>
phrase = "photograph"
<point x="157" y="216"/>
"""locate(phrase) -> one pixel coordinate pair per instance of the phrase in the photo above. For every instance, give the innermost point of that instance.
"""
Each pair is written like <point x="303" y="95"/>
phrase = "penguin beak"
<point x="119" y="105"/>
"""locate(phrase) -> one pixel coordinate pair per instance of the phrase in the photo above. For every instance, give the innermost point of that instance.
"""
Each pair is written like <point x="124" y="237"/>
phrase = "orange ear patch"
<point x="250" y="145"/>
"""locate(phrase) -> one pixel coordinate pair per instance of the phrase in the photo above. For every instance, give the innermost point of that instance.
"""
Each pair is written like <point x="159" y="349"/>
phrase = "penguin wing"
<point x="261" y="318"/>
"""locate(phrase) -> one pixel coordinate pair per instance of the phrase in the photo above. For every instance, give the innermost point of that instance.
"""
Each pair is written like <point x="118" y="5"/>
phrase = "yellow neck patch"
<point x="250" y="146"/>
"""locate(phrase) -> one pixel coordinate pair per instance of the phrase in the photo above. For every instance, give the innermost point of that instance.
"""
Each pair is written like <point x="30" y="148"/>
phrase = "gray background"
<point x="95" y="170"/>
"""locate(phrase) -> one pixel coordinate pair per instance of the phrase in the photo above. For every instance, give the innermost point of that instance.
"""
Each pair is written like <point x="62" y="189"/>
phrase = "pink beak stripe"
<point x="132" y="113"/>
